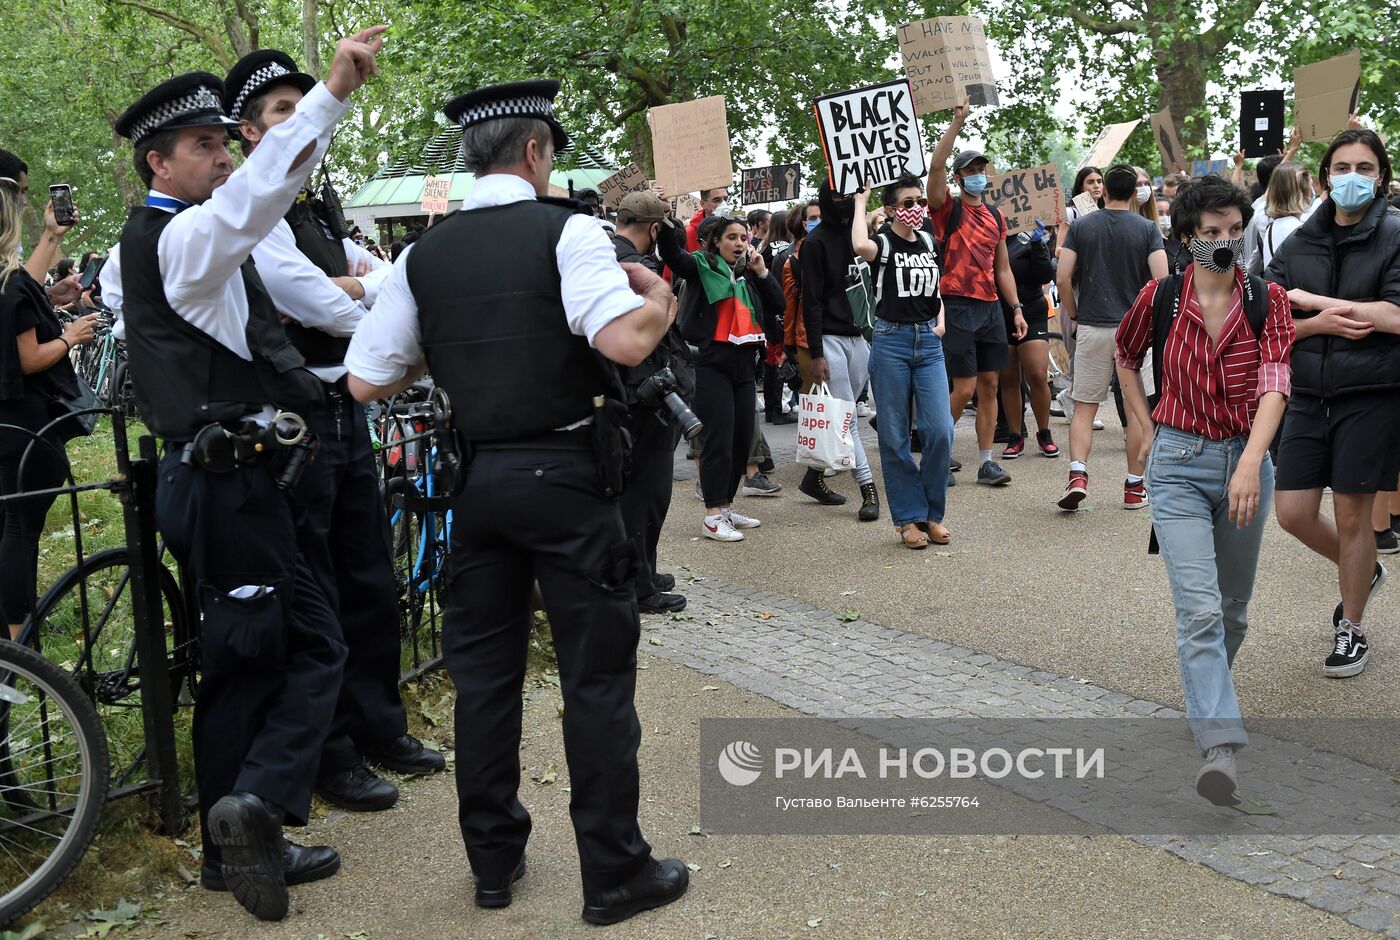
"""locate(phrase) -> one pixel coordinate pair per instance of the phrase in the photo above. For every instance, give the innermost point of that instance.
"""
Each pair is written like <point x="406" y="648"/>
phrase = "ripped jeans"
<point x="1211" y="565"/>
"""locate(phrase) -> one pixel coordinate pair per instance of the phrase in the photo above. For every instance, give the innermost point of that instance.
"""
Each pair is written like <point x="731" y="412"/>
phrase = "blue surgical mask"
<point x="812" y="225"/>
<point x="974" y="185"/>
<point x="1352" y="191"/>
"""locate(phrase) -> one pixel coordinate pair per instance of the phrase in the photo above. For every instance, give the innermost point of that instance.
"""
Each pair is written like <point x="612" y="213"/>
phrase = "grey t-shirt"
<point x="1111" y="248"/>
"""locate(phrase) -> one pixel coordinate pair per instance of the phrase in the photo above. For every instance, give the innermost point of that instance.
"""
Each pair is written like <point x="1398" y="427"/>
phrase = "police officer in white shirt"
<point x="211" y="368"/>
<point x="305" y="264"/>
<point x="502" y="301"/>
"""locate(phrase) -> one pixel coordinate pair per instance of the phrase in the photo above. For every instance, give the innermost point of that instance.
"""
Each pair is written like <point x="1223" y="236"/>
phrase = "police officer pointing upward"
<point x="212" y="369"/>
<point x="504" y="300"/>
<point x="342" y="527"/>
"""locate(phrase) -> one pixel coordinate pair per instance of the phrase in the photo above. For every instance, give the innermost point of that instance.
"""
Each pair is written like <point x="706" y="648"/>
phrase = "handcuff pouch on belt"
<point x="612" y="444"/>
<point x="284" y="445"/>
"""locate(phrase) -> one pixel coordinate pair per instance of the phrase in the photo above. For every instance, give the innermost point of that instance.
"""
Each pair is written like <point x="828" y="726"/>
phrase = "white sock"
<point x="1134" y="479"/>
<point x="1078" y="466"/>
<point x="983" y="456"/>
<point x="714" y="520"/>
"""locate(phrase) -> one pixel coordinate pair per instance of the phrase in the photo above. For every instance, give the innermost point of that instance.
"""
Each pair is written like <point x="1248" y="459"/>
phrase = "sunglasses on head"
<point x="909" y="202"/>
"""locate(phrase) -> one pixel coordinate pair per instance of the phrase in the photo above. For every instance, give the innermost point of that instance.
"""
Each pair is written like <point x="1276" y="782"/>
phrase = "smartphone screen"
<point x="91" y="271"/>
<point x="62" y="196"/>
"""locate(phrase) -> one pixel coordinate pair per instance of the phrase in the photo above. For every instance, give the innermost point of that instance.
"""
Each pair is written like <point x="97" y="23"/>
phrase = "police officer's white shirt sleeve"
<point x="378" y="271"/>
<point x="299" y="289"/>
<point x="388" y="344"/>
<point x="112" y="290"/>
<point x="201" y="249"/>
<point x="593" y="285"/>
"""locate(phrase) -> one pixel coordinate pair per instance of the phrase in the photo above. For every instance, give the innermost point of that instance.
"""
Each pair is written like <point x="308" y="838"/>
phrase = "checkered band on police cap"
<point x="527" y="106"/>
<point x="254" y="83"/>
<point x="201" y="99"/>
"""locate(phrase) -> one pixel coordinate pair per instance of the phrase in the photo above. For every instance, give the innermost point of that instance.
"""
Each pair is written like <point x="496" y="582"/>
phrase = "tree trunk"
<point x="311" y="40"/>
<point x="1181" y="70"/>
<point x="639" y="132"/>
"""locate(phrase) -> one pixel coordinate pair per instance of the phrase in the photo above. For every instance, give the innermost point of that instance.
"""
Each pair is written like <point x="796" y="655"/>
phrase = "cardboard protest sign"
<point x="684" y="206"/>
<point x="946" y="59"/>
<point x="1325" y="95"/>
<point x="1168" y="143"/>
<point x="1085" y="203"/>
<point x="629" y="179"/>
<point x="1220" y="168"/>
<point x="690" y="145"/>
<point x="770" y="183"/>
<point x="1022" y="196"/>
<point x="1261" y="123"/>
<point x="870" y="136"/>
<point x="1107" y="144"/>
<point x="436" y="190"/>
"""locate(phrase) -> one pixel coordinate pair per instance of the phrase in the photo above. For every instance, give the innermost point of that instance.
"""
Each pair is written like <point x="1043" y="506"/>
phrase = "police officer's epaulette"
<point x="573" y="205"/>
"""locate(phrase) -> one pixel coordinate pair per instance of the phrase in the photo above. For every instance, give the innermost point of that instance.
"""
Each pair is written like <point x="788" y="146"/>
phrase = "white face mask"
<point x="1144" y="193"/>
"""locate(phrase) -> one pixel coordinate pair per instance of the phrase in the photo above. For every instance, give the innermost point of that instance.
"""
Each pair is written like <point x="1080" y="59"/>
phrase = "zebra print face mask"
<point x="1218" y="256"/>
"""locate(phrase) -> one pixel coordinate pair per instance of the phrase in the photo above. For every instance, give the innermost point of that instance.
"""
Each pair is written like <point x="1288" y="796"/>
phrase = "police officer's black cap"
<point x="257" y="72"/>
<point x="533" y="99"/>
<point x="194" y="99"/>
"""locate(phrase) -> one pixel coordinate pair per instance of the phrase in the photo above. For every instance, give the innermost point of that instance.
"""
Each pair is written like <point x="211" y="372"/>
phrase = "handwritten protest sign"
<point x="1325" y="95"/>
<point x="1108" y="143"/>
<point x="870" y="136"/>
<point x="1022" y="196"/>
<point x="1219" y="168"/>
<point x="771" y="183"/>
<point x="690" y="145"/>
<point x="629" y="179"/>
<point x="1168" y="143"/>
<point x="684" y="206"/>
<point x="1085" y="203"/>
<point x="946" y="58"/>
<point x="436" y="190"/>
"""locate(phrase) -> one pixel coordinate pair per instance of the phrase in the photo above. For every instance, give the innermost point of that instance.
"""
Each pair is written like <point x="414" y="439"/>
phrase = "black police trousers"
<point x="343" y="533"/>
<point x="527" y="515"/>
<point x="270" y="648"/>
<point x="647" y="499"/>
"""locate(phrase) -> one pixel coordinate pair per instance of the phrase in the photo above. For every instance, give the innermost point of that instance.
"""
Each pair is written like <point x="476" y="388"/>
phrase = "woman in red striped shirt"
<point x="1221" y="341"/>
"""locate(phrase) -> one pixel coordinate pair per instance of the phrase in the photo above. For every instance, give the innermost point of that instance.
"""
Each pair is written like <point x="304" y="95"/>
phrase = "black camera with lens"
<point x="660" y="391"/>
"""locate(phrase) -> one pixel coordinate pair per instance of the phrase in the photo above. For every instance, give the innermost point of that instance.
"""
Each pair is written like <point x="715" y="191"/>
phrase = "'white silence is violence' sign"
<point x="870" y="136"/>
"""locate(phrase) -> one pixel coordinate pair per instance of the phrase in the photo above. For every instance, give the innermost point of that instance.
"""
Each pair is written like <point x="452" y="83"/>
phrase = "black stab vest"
<point x="184" y="379"/>
<point x="486" y="282"/>
<point x="315" y="241"/>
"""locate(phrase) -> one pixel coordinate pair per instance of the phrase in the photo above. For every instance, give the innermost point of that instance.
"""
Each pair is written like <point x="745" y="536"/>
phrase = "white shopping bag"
<point x="824" y="428"/>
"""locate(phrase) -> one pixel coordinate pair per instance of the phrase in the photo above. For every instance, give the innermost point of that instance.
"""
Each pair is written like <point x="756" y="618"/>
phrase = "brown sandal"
<point x="937" y="532"/>
<point x="913" y="536"/>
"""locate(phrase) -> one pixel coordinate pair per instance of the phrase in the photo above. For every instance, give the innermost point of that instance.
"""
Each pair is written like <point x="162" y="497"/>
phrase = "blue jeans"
<point x="907" y="362"/>
<point x="1211" y="565"/>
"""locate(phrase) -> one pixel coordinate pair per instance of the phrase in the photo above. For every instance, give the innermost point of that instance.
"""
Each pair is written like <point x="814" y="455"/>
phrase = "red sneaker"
<point x="1134" y="495"/>
<point x="1075" y="490"/>
<point x="1014" y="448"/>
<point x="1048" y="447"/>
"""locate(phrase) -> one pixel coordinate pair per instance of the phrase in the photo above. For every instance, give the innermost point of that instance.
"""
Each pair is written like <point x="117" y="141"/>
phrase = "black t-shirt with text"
<point x="906" y="278"/>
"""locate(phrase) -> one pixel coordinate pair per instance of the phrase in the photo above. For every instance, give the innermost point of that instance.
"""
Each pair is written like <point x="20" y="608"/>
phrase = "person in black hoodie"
<point x="1029" y="254"/>
<point x="1342" y="429"/>
<point x="727" y="292"/>
<point x="840" y="354"/>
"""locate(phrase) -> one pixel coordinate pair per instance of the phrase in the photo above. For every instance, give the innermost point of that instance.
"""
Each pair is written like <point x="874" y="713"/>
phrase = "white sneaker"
<point x="740" y="521"/>
<point x="699" y="493"/>
<point x="1066" y="404"/>
<point x="721" y="530"/>
<point x="1098" y="426"/>
<point x="863" y="410"/>
<point x="787" y="405"/>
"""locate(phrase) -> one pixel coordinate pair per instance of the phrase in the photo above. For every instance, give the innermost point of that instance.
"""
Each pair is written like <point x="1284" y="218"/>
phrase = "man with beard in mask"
<point x="840" y="354"/>
<point x="1342" y="429"/>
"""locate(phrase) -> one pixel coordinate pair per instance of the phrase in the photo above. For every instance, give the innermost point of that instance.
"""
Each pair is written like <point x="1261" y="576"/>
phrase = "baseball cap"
<point x="642" y="207"/>
<point x="965" y="159"/>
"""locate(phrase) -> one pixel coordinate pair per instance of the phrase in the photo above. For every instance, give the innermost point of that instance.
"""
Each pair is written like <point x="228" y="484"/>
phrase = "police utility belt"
<point x="284" y="446"/>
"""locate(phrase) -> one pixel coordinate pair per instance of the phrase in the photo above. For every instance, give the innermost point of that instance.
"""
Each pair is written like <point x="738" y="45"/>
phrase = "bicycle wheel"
<point x="1059" y="357"/>
<point x="123" y="395"/>
<point x="85" y="623"/>
<point x="53" y="778"/>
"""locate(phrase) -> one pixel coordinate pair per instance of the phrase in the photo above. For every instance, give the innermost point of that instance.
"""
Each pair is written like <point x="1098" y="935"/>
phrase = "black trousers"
<point x="343" y="533"/>
<point x="648" y="495"/>
<point x="527" y="515"/>
<point x="724" y="400"/>
<point x="22" y="520"/>
<point x="270" y="663"/>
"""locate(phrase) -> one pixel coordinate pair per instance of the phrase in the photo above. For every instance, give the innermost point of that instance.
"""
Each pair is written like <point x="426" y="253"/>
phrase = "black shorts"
<point x="1037" y="323"/>
<point x="974" y="337"/>
<point x="1350" y="443"/>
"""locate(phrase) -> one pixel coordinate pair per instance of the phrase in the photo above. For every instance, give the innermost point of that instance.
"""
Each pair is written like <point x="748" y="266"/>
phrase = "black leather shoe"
<point x="407" y="755"/>
<point x="665" y="582"/>
<point x="301" y="864"/>
<point x="657" y="884"/>
<point x="248" y="832"/>
<point x="358" y="789"/>
<point x="662" y="603"/>
<point x="499" y="897"/>
<point x="780" y="418"/>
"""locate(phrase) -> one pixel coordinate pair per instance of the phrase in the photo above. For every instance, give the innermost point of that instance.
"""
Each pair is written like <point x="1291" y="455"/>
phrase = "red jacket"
<point x="692" y="231"/>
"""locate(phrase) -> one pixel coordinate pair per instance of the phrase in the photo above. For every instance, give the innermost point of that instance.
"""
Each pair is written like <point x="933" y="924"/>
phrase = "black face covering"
<point x="841" y="212"/>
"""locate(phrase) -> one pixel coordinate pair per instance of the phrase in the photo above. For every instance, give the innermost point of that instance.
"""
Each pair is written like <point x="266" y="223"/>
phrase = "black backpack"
<point x="955" y="217"/>
<point x="1167" y="303"/>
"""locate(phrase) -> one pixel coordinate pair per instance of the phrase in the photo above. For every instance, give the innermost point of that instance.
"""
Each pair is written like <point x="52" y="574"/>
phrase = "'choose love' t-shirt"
<point x="906" y="278"/>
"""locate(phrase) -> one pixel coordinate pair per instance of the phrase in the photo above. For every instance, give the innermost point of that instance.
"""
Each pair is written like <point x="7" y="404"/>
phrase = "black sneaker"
<point x="1387" y="543"/>
<point x="991" y="474"/>
<point x="662" y="603"/>
<point x="1349" y="655"/>
<point x="1377" y="581"/>
<point x="954" y="465"/>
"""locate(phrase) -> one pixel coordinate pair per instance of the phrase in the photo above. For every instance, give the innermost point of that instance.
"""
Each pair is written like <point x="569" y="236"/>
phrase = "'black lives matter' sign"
<point x="771" y="183"/>
<point x="870" y="136"/>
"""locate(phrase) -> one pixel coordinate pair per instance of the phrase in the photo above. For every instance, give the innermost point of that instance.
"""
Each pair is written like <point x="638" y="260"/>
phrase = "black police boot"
<point x="665" y="582"/>
<point x="814" y="485"/>
<point x="406" y="755"/>
<point x="657" y="884"/>
<point x="870" y="503"/>
<point x="496" y="895"/>
<point x="358" y="789"/>
<point x="662" y="603"/>
<point x="301" y="864"/>
<point x="248" y="832"/>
